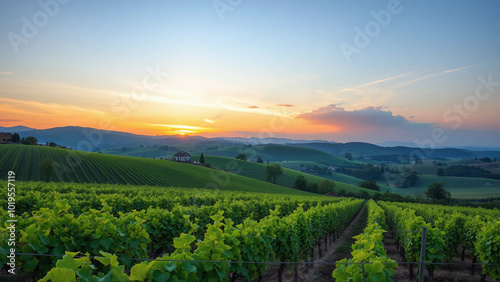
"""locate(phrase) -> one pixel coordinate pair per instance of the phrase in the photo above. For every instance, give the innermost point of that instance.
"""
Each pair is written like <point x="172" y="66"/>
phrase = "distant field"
<point x="138" y="152"/>
<point x="83" y="167"/>
<point x="424" y="169"/>
<point x="460" y="162"/>
<point x="280" y="153"/>
<point x="460" y="187"/>
<point x="494" y="167"/>
<point x="258" y="171"/>
<point x="342" y="177"/>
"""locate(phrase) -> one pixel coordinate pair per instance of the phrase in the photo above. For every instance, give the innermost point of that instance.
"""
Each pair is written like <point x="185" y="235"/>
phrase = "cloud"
<point x="424" y="77"/>
<point x="5" y="72"/>
<point x="11" y="120"/>
<point x="370" y="119"/>
<point x="181" y="126"/>
<point x="254" y="107"/>
<point x="354" y="88"/>
<point x="285" y="105"/>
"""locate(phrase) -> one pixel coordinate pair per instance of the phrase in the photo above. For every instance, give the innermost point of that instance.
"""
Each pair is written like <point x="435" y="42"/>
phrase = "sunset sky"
<point x="371" y="71"/>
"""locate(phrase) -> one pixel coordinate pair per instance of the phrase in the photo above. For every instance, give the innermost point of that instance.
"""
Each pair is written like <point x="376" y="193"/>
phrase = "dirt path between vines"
<point x="338" y="250"/>
<point x="455" y="273"/>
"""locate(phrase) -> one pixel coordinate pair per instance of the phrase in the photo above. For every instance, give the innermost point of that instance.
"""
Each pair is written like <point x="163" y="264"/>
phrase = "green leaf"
<point x="106" y="243"/>
<point x="170" y="266"/>
<point x="118" y="274"/>
<point x="59" y="274"/>
<point x="68" y="262"/>
<point x="161" y="277"/>
<point x="108" y="259"/>
<point x="188" y="267"/>
<point x="140" y="271"/>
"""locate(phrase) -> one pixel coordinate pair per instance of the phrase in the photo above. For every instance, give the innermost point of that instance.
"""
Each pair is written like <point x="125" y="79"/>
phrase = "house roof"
<point x="182" y="154"/>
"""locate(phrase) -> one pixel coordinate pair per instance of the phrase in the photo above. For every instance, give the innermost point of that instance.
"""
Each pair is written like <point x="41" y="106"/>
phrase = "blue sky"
<point x="227" y="73"/>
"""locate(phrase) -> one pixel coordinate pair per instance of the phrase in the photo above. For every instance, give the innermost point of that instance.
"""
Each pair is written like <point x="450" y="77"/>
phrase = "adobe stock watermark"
<point x="121" y="108"/>
<point x="456" y="114"/>
<point x="224" y="6"/>
<point x="31" y="26"/>
<point x="363" y="37"/>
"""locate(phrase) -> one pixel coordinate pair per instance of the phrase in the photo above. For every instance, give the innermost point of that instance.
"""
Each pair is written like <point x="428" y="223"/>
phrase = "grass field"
<point x="139" y="152"/>
<point x="258" y="171"/>
<point x="343" y="177"/>
<point x="83" y="167"/>
<point x="459" y="187"/>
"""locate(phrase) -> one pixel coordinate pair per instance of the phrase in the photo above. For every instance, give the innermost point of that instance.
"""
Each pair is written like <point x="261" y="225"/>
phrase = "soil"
<point x="455" y="273"/>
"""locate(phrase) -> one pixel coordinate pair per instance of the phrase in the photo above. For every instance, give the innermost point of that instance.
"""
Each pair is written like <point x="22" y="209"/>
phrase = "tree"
<point x="273" y="171"/>
<point x="370" y="184"/>
<point x="440" y="171"/>
<point x="436" y="191"/>
<point x="202" y="159"/>
<point x="485" y="159"/>
<point x="52" y="144"/>
<point x="326" y="186"/>
<point x="259" y="160"/>
<point x="46" y="169"/>
<point x="16" y="138"/>
<point x="410" y="178"/>
<point x="242" y="157"/>
<point x="313" y="187"/>
<point x="363" y="195"/>
<point x="30" y="140"/>
<point x="348" y="156"/>
<point x="300" y="182"/>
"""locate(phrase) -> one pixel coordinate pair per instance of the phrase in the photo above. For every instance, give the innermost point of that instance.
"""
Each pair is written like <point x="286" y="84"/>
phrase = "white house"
<point x="182" y="157"/>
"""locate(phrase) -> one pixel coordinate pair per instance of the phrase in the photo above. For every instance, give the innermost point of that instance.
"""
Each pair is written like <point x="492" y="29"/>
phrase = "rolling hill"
<point x="366" y="149"/>
<point x="75" y="166"/>
<point x="258" y="171"/>
<point x="279" y="153"/>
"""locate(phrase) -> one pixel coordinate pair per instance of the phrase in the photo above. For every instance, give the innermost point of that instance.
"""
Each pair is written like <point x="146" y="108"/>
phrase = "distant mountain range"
<point x="271" y="140"/>
<point x="90" y="139"/>
<point x="17" y="129"/>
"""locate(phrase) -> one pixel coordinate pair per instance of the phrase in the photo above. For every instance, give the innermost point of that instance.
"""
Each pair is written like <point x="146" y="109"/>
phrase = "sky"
<point x="424" y="72"/>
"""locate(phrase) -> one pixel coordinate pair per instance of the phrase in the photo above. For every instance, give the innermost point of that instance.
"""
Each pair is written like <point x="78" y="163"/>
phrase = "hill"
<point x="91" y="139"/>
<point x="75" y="166"/>
<point x="258" y="171"/>
<point x="279" y="153"/>
<point x="366" y="149"/>
<point x="460" y="187"/>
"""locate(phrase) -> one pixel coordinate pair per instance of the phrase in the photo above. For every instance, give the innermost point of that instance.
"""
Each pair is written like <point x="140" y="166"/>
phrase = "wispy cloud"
<point x="48" y="108"/>
<point x="5" y="72"/>
<point x="253" y="107"/>
<point x="285" y="105"/>
<point x="11" y="120"/>
<point x="424" y="77"/>
<point x="181" y="126"/>
<point x="459" y="69"/>
<point x="354" y="88"/>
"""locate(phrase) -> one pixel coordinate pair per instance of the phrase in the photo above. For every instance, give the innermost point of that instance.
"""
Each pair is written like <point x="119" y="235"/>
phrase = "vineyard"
<point x="194" y="233"/>
<point x="88" y="232"/>
<point x="75" y="166"/>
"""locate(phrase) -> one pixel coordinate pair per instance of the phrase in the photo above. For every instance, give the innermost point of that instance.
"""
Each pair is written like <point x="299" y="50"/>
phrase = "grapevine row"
<point x="285" y="239"/>
<point x="368" y="248"/>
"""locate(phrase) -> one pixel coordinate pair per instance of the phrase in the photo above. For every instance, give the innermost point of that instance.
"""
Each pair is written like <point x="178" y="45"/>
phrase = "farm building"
<point x="5" y="137"/>
<point x="182" y="157"/>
